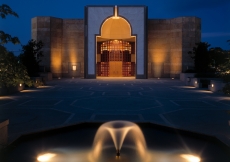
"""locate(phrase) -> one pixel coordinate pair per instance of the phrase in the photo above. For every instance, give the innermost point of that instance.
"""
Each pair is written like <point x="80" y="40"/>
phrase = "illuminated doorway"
<point x="115" y="48"/>
<point x="116" y="58"/>
<point x="122" y="23"/>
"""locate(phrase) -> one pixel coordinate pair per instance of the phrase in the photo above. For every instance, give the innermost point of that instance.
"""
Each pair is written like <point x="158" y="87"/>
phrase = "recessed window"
<point x="74" y="67"/>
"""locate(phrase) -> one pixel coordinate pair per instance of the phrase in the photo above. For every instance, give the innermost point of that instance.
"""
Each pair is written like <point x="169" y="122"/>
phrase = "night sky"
<point x="215" y="15"/>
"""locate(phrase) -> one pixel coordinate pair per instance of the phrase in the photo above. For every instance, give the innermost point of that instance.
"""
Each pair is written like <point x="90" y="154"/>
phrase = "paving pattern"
<point x="69" y="101"/>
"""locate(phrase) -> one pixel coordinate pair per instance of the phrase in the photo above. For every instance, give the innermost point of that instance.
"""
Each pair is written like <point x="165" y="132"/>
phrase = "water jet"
<point x="118" y="153"/>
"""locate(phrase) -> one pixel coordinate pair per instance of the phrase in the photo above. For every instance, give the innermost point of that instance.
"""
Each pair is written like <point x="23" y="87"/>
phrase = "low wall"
<point x="11" y="89"/>
<point x="185" y="76"/>
<point x="195" y="83"/>
<point x="3" y="133"/>
<point x="46" y="76"/>
<point x="216" y="85"/>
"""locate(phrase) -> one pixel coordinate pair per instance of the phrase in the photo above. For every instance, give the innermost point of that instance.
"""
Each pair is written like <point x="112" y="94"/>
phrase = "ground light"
<point x="190" y="158"/>
<point x="45" y="157"/>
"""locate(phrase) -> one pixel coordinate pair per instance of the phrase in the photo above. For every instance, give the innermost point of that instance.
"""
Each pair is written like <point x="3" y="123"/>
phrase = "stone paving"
<point x="164" y="101"/>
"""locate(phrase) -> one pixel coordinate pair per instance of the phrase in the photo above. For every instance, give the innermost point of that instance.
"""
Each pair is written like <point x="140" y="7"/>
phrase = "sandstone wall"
<point x="73" y="47"/>
<point x="63" y="45"/>
<point x="56" y="46"/>
<point x="41" y="31"/>
<point x="169" y="41"/>
<point x="191" y="35"/>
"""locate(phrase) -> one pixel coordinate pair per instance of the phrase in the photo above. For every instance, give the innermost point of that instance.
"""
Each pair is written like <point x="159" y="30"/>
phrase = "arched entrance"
<point x="115" y="54"/>
<point x="120" y="23"/>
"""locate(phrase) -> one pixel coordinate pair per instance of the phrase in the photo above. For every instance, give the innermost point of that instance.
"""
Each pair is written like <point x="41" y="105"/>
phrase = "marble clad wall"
<point x="136" y="16"/>
<point x="94" y="18"/>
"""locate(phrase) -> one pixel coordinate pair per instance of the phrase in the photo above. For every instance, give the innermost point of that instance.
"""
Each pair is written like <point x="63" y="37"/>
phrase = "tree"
<point x="218" y="58"/>
<point x="30" y="57"/>
<point x="200" y="55"/>
<point x="12" y="73"/>
<point x="4" y="37"/>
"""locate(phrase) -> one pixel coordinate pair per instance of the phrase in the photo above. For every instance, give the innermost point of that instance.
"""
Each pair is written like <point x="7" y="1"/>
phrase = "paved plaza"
<point x="70" y="101"/>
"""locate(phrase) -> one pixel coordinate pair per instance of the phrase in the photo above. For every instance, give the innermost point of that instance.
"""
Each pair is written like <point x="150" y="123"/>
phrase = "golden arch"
<point x="116" y="28"/>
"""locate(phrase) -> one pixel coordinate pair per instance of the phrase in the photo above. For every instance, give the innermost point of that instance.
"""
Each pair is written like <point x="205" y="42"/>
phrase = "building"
<point x="116" y="41"/>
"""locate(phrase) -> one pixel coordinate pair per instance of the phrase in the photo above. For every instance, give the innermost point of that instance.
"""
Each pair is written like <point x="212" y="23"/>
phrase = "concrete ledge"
<point x="90" y="76"/>
<point x="216" y="85"/>
<point x="3" y="132"/>
<point x="141" y="76"/>
<point x="195" y="83"/>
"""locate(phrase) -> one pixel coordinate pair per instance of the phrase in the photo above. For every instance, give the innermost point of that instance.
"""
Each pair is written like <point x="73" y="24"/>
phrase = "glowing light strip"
<point x="115" y="13"/>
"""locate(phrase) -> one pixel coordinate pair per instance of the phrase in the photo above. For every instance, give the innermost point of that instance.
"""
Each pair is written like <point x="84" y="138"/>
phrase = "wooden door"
<point x="115" y="69"/>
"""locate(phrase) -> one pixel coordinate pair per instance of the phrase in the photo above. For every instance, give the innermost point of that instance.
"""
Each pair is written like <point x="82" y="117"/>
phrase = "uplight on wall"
<point x="20" y="84"/>
<point x="74" y="67"/>
<point x="195" y="82"/>
<point x="212" y="85"/>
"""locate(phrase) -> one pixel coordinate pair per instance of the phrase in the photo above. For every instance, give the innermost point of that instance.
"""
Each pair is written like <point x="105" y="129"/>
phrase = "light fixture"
<point x="74" y="67"/>
<point x="212" y="85"/>
<point x="20" y="84"/>
<point x="172" y="78"/>
<point x="190" y="158"/>
<point x="195" y="82"/>
<point x="45" y="157"/>
<point x="158" y="78"/>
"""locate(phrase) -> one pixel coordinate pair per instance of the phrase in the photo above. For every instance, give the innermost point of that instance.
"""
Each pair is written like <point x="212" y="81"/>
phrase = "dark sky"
<point x="215" y="15"/>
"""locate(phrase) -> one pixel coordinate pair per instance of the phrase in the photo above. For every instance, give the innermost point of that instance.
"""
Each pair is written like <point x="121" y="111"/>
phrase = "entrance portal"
<point x="125" y="24"/>
<point x="116" y="58"/>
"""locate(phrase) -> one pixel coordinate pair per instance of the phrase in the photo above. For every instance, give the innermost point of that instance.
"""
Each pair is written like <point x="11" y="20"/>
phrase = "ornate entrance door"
<point x="114" y="59"/>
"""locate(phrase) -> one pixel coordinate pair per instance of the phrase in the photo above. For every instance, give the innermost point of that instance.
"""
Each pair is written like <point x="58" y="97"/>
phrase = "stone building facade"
<point x="160" y="45"/>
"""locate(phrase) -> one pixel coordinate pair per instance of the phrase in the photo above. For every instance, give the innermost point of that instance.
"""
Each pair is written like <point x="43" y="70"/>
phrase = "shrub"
<point x="226" y="89"/>
<point x="226" y="78"/>
<point x="12" y="73"/>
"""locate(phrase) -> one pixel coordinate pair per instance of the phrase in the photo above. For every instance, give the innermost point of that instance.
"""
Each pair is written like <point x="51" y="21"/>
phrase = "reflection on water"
<point x="111" y="138"/>
<point x="79" y="155"/>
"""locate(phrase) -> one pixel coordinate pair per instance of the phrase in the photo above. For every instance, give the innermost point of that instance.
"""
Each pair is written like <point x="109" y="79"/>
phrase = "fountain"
<point x="118" y="131"/>
<point x="115" y="141"/>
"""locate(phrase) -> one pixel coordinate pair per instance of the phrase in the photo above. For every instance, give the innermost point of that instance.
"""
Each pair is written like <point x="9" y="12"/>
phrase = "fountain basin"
<point x="74" y="143"/>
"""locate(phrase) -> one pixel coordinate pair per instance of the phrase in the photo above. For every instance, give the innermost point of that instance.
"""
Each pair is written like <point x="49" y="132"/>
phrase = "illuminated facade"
<point x="116" y="41"/>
